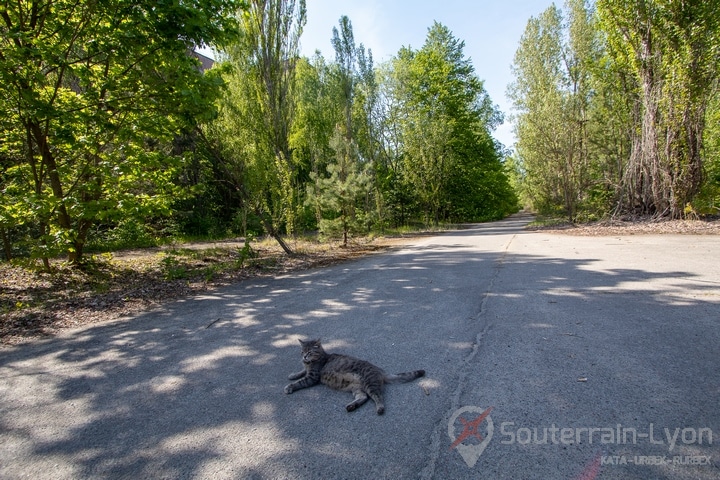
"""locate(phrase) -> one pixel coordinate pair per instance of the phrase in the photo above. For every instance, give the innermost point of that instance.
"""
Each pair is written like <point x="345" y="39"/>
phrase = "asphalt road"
<point x="547" y="357"/>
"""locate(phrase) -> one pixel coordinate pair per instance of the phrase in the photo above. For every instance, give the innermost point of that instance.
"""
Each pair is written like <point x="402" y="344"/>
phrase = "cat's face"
<point x="311" y="350"/>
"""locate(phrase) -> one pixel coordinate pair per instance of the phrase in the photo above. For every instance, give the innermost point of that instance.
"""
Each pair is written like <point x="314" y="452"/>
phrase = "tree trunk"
<point x="647" y="178"/>
<point x="272" y="231"/>
<point x="283" y="245"/>
<point x="685" y="140"/>
<point x="48" y="159"/>
<point x="7" y="246"/>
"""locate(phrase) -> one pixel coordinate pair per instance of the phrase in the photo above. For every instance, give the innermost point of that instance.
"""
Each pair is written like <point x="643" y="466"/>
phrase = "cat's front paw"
<point x="288" y="389"/>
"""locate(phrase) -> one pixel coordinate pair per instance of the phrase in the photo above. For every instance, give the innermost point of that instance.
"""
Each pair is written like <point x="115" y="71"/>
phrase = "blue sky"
<point x="491" y="31"/>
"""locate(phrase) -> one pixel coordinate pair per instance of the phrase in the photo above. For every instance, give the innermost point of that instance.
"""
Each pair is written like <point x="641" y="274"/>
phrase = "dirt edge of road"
<point x="35" y="305"/>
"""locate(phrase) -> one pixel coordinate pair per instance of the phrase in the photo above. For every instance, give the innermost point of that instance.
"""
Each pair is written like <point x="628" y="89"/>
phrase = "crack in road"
<point x="464" y="371"/>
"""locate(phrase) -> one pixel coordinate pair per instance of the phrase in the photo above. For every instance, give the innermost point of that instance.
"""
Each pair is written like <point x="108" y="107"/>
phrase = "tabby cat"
<point x="345" y="373"/>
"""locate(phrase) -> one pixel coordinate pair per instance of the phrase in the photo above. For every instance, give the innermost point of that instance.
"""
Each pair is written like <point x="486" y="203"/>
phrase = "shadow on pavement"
<point x="195" y="389"/>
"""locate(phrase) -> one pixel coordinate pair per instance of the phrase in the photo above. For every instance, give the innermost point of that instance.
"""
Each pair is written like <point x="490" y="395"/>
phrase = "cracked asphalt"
<point x="554" y="357"/>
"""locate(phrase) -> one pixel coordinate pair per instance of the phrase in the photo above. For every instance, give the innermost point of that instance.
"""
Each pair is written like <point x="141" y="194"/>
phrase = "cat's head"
<point x="312" y="350"/>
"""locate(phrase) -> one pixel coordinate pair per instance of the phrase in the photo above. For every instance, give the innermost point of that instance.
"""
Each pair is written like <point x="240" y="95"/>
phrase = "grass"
<point x="36" y="303"/>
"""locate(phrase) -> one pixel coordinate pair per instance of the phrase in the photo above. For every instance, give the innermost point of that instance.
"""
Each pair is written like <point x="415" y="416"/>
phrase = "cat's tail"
<point x="404" y="377"/>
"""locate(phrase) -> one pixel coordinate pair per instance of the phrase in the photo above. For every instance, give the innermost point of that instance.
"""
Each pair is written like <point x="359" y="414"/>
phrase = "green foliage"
<point x="337" y="198"/>
<point x="335" y="105"/>
<point x="93" y="92"/>
<point x="448" y="158"/>
<point x="612" y="107"/>
<point x="670" y="50"/>
<point x="114" y="138"/>
<point x="251" y="136"/>
<point x="415" y="132"/>
<point x="553" y="92"/>
<point x="708" y="200"/>
<point x="246" y="252"/>
<point x="173" y="268"/>
<point x="317" y="114"/>
<point x="129" y="233"/>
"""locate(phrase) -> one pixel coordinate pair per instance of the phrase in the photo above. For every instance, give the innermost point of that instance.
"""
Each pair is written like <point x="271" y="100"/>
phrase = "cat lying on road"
<point x="345" y="373"/>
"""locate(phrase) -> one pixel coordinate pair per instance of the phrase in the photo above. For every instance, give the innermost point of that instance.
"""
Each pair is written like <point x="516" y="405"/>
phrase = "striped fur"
<point x="342" y="372"/>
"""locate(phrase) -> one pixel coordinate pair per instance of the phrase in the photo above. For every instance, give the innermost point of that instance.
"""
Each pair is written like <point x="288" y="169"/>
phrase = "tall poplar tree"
<point x="252" y="133"/>
<point x="552" y="93"/>
<point x="672" y="48"/>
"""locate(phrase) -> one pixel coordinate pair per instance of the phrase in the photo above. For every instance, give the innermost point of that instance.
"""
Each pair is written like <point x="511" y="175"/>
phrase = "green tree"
<point x="91" y="91"/>
<point x="450" y="158"/>
<point x="395" y="193"/>
<point x="672" y="49"/>
<point x="708" y="200"/>
<point x="552" y="92"/>
<point x="252" y="134"/>
<point x="338" y="192"/>
<point x="611" y="122"/>
<point x="346" y="55"/>
<point x="316" y="116"/>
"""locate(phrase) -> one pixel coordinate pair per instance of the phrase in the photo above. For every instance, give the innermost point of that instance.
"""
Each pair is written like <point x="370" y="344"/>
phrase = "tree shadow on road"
<point x="194" y="389"/>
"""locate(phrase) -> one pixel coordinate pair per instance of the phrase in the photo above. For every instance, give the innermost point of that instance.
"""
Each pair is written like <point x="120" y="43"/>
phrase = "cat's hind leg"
<point x="360" y="398"/>
<point x="377" y="397"/>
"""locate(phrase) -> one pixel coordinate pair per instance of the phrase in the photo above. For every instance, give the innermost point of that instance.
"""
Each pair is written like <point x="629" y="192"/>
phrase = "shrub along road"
<point x="547" y="356"/>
